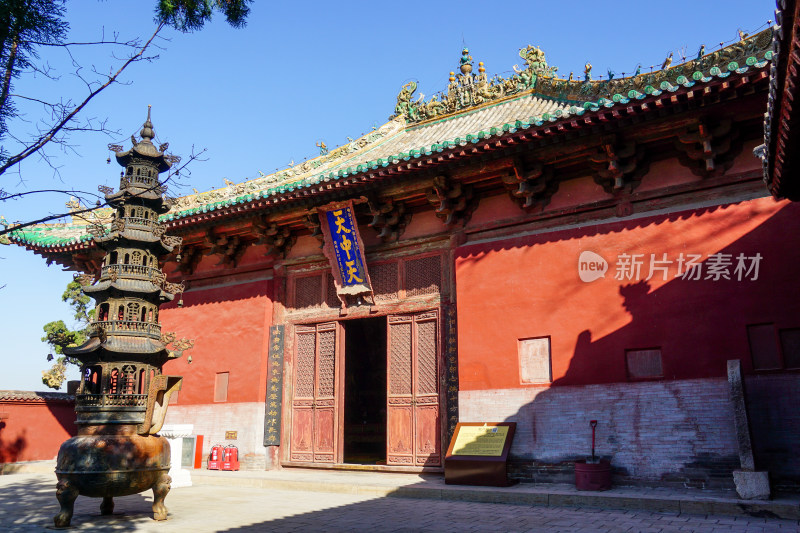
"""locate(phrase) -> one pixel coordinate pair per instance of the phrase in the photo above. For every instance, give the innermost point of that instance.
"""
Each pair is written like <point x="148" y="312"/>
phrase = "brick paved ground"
<point x="27" y="503"/>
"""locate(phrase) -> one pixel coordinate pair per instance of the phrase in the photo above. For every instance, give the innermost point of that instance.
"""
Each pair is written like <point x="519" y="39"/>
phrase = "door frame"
<point x="339" y="373"/>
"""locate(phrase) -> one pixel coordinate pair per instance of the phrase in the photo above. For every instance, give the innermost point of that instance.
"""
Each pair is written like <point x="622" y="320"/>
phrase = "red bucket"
<point x="592" y="476"/>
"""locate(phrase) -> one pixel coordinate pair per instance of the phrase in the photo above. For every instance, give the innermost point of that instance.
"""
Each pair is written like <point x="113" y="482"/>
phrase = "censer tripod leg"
<point x="107" y="506"/>
<point x="66" y="495"/>
<point x="160" y="490"/>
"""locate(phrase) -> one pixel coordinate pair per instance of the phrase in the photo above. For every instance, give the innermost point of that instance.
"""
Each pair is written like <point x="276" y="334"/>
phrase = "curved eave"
<point x="123" y="158"/>
<point x="604" y="112"/>
<point x="92" y="345"/>
<point x="54" y="246"/>
<point x="146" y="193"/>
<point x="123" y="286"/>
<point x="780" y="140"/>
<point x="119" y="344"/>
<point x="130" y="235"/>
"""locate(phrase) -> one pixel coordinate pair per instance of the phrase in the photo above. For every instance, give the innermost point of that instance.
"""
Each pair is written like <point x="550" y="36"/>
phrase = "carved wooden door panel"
<point x="325" y="401"/>
<point x="427" y="444"/>
<point x="413" y="391"/>
<point x="314" y="413"/>
<point x="400" y="392"/>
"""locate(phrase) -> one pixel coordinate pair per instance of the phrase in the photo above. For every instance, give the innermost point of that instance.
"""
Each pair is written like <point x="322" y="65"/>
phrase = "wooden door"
<point x="412" y="412"/>
<point x="314" y="406"/>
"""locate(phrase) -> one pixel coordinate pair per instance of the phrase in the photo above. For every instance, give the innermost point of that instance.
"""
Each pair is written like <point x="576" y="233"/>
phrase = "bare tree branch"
<point x="172" y="174"/>
<point x="49" y="135"/>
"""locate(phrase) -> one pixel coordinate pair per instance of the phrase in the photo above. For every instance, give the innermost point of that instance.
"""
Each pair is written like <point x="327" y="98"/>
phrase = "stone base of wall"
<point x="214" y="420"/>
<point x="666" y="432"/>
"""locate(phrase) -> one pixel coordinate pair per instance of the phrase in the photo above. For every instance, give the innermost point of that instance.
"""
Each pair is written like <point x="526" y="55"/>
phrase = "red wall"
<point x="529" y="287"/>
<point x="34" y="430"/>
<point x="230" y="326"/>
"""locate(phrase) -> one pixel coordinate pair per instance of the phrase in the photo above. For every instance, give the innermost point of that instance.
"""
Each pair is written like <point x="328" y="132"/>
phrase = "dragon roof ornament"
<point x="467" y="89"/>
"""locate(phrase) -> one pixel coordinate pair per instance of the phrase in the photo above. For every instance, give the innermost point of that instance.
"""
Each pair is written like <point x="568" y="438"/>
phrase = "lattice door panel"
<point x="400" y="397"/>
<point x="427" y="445"/>
<point x="325" y="401"/>
<point x="314" y="413"/>
<point x="413" y="390"/>
<point x="302" y="445"/>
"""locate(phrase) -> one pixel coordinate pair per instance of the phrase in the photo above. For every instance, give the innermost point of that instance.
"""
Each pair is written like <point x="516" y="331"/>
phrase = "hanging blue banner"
<point x="345" y="250"/>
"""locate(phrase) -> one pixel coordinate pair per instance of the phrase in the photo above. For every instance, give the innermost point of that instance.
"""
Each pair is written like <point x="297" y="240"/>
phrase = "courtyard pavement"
<point x="28" y="503"/>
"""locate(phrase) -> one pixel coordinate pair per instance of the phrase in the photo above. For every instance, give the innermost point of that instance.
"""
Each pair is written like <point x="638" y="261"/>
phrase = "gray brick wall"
<point x="653" y="432"/>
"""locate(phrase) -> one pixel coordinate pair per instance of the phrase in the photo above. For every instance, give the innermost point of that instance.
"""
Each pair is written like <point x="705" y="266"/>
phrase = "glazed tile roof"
<point x="777" y="152"/>
<point x="34" y="396"/>
<point x="551" y="102"/>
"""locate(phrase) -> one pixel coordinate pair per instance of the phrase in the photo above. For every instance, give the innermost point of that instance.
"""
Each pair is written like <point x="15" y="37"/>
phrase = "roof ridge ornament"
<point x="469" y="90"/>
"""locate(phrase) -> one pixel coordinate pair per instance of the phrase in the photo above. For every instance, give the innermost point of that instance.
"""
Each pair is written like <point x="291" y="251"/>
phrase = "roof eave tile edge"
<point x="275" y="195"/>
<point x="544" y="122"/>
<point x="786" y="31"/>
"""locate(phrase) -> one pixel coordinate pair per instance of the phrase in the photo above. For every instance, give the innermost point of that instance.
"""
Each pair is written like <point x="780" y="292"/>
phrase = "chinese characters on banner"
<point x="344" y="249"/>
<point x="272" y="415"/>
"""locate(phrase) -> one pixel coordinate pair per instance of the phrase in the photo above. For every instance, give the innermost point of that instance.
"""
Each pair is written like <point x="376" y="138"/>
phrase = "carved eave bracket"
<point x="531" y="186"/>
<point x="311" y="221"/>
<point x="190" y="258"/>
<point x="279" y="239"/>
<point x="90" y="264"/>
<point x="619" y="165"/>
<point x="709" y="149"/>
<point x="389" y="218"/>
<point x="230" y="248"/>
<point x="454" y="202"/>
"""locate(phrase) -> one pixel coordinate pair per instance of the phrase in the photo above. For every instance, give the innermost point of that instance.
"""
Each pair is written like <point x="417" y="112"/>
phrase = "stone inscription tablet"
<point x="485" y="441"/>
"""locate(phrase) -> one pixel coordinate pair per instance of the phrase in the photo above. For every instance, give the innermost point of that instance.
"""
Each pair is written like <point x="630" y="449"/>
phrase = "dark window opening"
<point x="644" y="364"/>
<point x="764" y="347"/>
<point x="365" y="391"/>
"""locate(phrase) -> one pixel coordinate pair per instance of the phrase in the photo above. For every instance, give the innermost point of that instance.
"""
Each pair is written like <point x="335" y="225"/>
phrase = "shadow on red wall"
<point x="673" y="422"/>
<point x="34" y="424"/>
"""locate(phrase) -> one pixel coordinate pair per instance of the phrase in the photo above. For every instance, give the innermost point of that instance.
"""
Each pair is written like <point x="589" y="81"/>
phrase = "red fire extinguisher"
<point x="215" y="458"/>
<point x="230" y="458"/>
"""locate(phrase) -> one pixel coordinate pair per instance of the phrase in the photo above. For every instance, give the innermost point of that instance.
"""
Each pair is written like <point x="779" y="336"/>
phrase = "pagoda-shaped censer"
<point x="123" y="396"/>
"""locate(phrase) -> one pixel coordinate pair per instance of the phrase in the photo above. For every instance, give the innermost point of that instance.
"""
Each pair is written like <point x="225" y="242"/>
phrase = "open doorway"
<point x="365" y="391"/>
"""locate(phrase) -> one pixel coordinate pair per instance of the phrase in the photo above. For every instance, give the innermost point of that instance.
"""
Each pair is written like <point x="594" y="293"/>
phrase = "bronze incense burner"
<point x="122" y="399"/>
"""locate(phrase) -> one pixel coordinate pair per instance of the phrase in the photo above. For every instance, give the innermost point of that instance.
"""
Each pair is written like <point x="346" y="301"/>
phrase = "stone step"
<point x="690" y="501"/>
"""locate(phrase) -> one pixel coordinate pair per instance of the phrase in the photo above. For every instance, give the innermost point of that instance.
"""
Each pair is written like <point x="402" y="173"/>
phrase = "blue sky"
<point x="301" y="72"/>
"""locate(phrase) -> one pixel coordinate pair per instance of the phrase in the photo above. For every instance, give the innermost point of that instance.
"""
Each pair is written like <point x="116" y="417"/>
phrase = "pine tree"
<point x="59" y="336"/>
